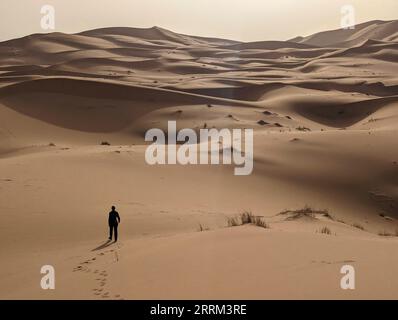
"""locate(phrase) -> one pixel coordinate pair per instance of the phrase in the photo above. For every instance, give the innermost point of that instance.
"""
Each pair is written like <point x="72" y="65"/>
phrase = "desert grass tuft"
<point x="233" y="222"/>
<point x="302" y="128"/>
<point x="384" y="233"/>
<point x="306" y="211"/>
<point x="247" y="218"/>
<point x="260" y="223"/>
<point x="325" y="230"/>
<point x="202" y="228"/>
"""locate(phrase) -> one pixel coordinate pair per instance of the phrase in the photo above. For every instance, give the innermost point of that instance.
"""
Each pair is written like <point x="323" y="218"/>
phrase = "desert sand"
<point x="324" y="110"/>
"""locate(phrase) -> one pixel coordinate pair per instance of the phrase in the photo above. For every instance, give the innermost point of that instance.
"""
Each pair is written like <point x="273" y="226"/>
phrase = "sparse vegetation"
<point x="262" y="122"/>
<point x="301" y="128"/>
<point x="307" y="211"/>
<point x="358" y="226"/>
<point x="233" y="222"/>
<point x="385" y="234"/>
<point x="259" y="222"/>
<point x="202" y="228"/>
<point x="388" y="234"/>
<point x="247" y="218"/>
<point x="386" y="217"/>
<point x="325" y="230"/>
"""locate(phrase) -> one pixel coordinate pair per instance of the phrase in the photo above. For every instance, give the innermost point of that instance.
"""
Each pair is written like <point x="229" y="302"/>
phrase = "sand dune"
<point x="371" y="49"/>
<point x="375" y="30"/>
<point x="74" y="109"/>
<point x="267" y="45"/>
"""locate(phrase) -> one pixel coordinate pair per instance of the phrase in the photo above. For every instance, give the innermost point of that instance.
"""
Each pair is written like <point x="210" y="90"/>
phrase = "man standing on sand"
<point x="113" y="221"/>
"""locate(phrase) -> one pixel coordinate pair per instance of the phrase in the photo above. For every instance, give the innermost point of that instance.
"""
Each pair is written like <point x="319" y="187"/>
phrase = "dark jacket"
<point x="114" y="218"/>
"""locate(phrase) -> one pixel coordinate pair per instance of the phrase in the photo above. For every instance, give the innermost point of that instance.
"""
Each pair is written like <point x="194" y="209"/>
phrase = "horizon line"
<point x="189" y="35"/>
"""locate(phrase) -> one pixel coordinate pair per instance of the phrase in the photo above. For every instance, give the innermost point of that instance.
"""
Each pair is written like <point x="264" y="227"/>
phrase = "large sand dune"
<point x="324" y="110"/>
<point x="376" y="30"/>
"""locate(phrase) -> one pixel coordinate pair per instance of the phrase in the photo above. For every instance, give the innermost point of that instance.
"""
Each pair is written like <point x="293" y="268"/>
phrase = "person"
<point x="113" y="221"/>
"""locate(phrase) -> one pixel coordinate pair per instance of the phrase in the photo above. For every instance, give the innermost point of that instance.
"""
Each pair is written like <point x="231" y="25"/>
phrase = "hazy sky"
<point x="246" y="20"/>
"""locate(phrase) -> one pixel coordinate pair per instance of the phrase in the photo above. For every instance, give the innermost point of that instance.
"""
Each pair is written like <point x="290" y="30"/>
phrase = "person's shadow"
<point x="103" y="246"/>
